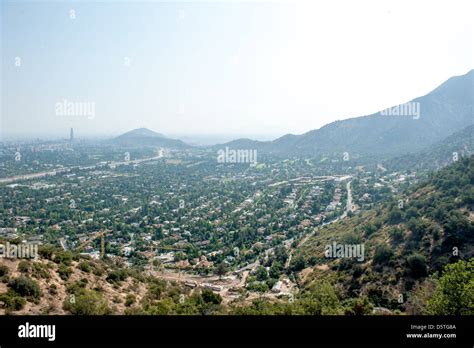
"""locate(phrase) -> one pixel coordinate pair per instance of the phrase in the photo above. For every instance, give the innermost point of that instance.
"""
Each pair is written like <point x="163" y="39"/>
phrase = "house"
<point x="277" y="287"/>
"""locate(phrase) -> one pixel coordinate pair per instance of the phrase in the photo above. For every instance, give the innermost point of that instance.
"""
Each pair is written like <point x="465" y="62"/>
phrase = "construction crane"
<point x="100" y="234"/>
<point x="169" y="248"/>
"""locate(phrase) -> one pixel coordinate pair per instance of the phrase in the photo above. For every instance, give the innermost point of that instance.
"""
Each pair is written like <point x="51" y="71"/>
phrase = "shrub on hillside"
<point x="86" y="302"/>
<point x="25" y="286"/>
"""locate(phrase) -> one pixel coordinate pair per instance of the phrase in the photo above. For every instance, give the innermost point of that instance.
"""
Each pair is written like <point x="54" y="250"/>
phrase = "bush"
<point x="261" y="274"/>
<point x="64" y="271"/>
<point x="86" y="302"/>
<point x="23" y="266"/>
<point x="417" y="266"/>
<point x="85" y="266"/>
<point x="40" y="270"/>
<point x="64" y="257"/>
<point x="53" y="289"/>
<point x="25" y="286"/>
<point x="395" y="216"/>
<point x="12" y="301"/>
<point x="46" y="251"/>
<point x="297" y="264"/>
<point x="396" y="235"/>
<point x="129" y="300"/>
<point x="209" y="296"/>
<point x="4" y="270"/>
<point x="358" y="306"/>
<point x="117" y="276"/>
<point x="382" y="254"/>
<point x="369" y="229"/>
<point x="321" y="299"/>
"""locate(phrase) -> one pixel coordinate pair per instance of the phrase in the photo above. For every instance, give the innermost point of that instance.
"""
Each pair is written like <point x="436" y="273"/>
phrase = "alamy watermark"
<point x="69" y="108"/>
<point x="19" y="251"/>
<point x="37" y="331"/>
<point x="237" y="156"/>
<point x="411" y="109"/>
<point x="340" y="251"/>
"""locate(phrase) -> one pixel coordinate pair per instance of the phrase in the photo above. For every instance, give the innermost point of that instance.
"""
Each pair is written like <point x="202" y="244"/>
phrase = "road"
<point x="40" y="175"/>
<point x="349" y="208"/>
<point x="349" y="205"/>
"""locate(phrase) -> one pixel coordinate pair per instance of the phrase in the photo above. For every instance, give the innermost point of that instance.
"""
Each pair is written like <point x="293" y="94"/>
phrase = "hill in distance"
<point x="146" y="137"/>
<point x="420" y="123"/>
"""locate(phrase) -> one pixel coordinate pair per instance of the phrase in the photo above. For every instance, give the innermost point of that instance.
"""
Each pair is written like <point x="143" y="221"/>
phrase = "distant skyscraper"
<point x="71" y="135"/>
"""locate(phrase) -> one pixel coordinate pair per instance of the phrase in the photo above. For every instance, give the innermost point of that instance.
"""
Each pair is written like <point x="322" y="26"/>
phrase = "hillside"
<point x="144" y="137"/>
<point x="403" y="247"/>
<point x="437" y="155"/>
<point x="62" y="282"/>
<point x="445" y="110"/>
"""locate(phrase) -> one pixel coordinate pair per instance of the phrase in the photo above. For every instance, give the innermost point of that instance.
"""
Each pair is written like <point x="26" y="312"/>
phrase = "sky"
<point x="258" y="69"/>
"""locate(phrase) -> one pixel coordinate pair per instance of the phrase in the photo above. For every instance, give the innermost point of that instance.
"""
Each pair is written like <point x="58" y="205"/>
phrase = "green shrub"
<point x="25" y="286"/>
<point x="40" y="270"/>
<point x="64" y="271"/>
<point x="46" y="251"/>
<point x="129" y="300"/>
<point x="116" y="276"/>
<point x="209" y="296"/>
<point x="63" y="257"/>
<point x="382" y="254"/>
<point x="396" y="235"/>
<point x="417" y="266"/>
<point x="23" y="266"/>
<point x="11" y="301"/>
<point x="4" y="270"/>
<point x="86" y="302"/>
<point x="85" y="266"/>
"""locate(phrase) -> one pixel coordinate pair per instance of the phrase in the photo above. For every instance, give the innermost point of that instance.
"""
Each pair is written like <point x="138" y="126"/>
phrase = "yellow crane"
<point x="169" y="248"/>
<point x="100" y="234"/>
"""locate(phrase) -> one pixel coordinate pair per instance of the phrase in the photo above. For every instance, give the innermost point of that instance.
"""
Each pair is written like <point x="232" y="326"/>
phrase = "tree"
<point x="275" y="270"/>
<point x="297" y="264"/>
<point x="395" y="216"/>
<point x="396" y="235"/>
<point x="454" y="294"/>
<point x="382" y="254"/>
<point x="321" y="299"/>
<point x="417" y="266"/>
<point x="222" y="269"/>
<point x="369" y="229"/>
<point x="261" y="274"/>
<point x="209" y="296"/>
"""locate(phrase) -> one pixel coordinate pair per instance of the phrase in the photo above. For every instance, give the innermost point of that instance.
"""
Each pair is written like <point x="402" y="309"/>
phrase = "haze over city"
<point x="248" y="172"/>
<point x="222" y="69"/>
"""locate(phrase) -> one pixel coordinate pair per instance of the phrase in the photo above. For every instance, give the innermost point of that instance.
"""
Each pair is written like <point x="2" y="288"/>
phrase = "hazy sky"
<point x="222" y="67"/>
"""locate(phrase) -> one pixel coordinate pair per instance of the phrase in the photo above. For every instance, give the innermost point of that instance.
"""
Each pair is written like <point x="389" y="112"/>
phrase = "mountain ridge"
<point x="147" y="137"/>
<point x="446" y="109"/>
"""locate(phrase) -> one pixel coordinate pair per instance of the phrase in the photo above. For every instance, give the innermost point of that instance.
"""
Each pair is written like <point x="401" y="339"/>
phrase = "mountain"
<point x="141" y="132"/>
<point x="437" y="155"/>
<point x="403" y="246"/>
<point x="145" y="137"/>
<point x="426" y="120"/>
